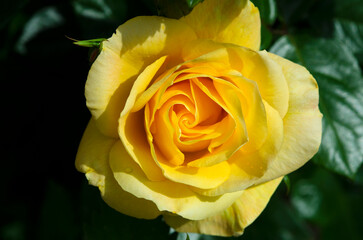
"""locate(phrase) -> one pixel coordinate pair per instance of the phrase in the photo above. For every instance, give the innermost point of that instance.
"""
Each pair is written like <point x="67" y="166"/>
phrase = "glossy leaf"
<point x="192" y="3"/>
<point x="100" y="9"/>
<point x="42" y="20"/>
<point x="349" y="9"/>
<point x="320" y="198"/>
<point x="341" y="98"/>
<point x="268" y="10"/>
<point x="351" y="34"/>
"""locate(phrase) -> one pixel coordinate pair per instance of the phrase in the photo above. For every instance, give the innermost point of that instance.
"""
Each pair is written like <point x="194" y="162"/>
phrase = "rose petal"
<point x="233" y="220"/>
<point x="302" y="122"/>
<point x="256" y="66"/>
<point x="92" y="159"/>
<point x="135" y="45"/>
<point x="253" y="108"/>
<point x="167" y="195"/>
<point x="232" y="105"/>
<point x="228" y="21"/>
<point x="247" y="168"/>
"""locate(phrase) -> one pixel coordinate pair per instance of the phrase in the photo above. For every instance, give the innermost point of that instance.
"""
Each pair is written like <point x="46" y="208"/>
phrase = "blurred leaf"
<point x="174" y="8"/>
<point x="278" y="221"/>
<point x="266" y="38"/>
<point x="9" y="9"/>
<point x="100" y="18"/>
<point x="292" y="11"/>
<point x="42" y="20"/>
<point x="193" y="3"/>
<point x="102" y="222"/>
<point x="267" y="10"/>
<point x="91" y="43"/>
<point x="351" y="34"/>
<point x="100" y="9"/>
<point x="314" y="199"/>
<point x="301" y="16"/>
<point x="13" y="231"/>
<point x="349" y="9"/>
<point x="195" y="236"/>
<point x="57" y="219"/>
<point x="287" y="183"/>
<point x="341" y="98"/>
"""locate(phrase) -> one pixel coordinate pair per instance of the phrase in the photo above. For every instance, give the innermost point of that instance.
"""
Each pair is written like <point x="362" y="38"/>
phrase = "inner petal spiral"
<point x="188" y="124"/>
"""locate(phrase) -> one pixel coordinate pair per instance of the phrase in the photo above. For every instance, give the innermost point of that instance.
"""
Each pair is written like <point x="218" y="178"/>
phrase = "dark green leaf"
<point x="174" y="8"/>
<point x="42" y="20"/>
<point x="350" y="33"/>
<point x="341" y="98"/>
<point x="287" y="183"/>
<point x="267" y="10"/>
<point x="102" y="222"/>
<point x="278" y="221"/>
<point x="57" y="216"/>
<point x="315" y="196"/>
<point x="266" y="38"/>
<point x="193" y="3"/>
<point x="100" y="9"/>
<point x="349" y="9"/>
<point x="9" y="9"/>
<point x="90" y="43"/>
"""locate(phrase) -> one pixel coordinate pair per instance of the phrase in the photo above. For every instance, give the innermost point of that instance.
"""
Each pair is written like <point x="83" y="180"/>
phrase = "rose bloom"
<point x="191" y="121"/>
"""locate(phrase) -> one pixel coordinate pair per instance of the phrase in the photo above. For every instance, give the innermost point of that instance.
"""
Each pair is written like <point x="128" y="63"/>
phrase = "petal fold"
<point x="302" y="122"/>
<point x="135" y="45"/>
<point x="167" y="195"/>
<point x="233" y="220"/>
<point x="92" y="159"/>
<point x="227" y="21"/>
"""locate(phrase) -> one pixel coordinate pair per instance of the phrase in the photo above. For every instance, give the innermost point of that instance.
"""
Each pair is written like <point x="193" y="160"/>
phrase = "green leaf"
<point x="267" y="10"/>
<point x="341" y="98"/>
<point x="174" y="8"/>
<point x="100" y="9"/>
<point x="103" y="222"/>
<point x="287" y="183"/>
<point x="57" y="218"/>
<point x="314" y="196"/>
<point x="266" y="38"/>
<point x="349" y="9"/>
<point x="193" y="3"/>
<point x="96" y="43"/>
<point x="279" y="221"/>
<point x="42" y="20"/>
<point x="351" y="34"/>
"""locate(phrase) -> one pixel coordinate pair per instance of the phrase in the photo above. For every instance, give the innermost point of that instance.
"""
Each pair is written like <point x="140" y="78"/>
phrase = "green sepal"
<point x="92" y="43"/>
<point x="287" y="183"/>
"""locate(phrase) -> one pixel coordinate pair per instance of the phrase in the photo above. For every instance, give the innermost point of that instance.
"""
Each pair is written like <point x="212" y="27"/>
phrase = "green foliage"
<point x="340" y="82"/>
<point x="102" y="222"/>
<point x="193" y="3"/>
<point x="268" y="11"/>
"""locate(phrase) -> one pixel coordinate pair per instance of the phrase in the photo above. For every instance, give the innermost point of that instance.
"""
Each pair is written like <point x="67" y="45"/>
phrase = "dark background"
<point x="44" y="114"/>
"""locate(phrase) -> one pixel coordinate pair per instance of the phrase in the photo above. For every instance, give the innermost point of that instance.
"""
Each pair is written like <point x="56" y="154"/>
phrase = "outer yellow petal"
<point x="228" y="21"/>
<point x="302" y="122"/>
<point x="92" y="159"/>
<point x="256" y="66"/>
<point x="135" y="45"/>
<point x="233" y="220"/>
<point x="167" y="195"/>
<point x="132" y="132"/>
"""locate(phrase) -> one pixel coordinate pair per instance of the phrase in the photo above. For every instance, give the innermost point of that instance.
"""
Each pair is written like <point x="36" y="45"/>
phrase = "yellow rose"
<point x="192" y="122"/>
